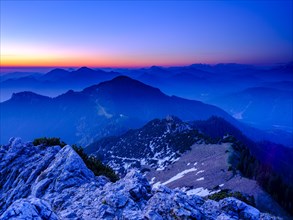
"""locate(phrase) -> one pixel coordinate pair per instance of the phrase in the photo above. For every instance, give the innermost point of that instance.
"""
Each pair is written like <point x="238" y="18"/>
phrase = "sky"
<point x="144" y="33"/>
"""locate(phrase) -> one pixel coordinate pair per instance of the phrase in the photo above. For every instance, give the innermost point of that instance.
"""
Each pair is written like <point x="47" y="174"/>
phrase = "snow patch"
<point x="125" y="158"/>
<point x="152" y="180"/>
<point x="179" y="175"/>
<point x="201" y="171"/>
<point x="152" y="146"/>
<point x="157" y="184"/>
<point x="198" y="191"/>
<point x="239" y="115"/>
<point x="102" y="112"/>
<point x="200" y="179"/>
<point x="201" y="192"/>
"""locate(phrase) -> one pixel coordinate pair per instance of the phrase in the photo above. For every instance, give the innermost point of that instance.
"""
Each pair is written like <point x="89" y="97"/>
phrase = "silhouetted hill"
<point x="16" y="75"/>
<point x="213" y="84"/>
<point x="56" y="74"/>
<point x="28" y="98"/>
<point x="54" y="82"/>
<point x="97" y="111"/>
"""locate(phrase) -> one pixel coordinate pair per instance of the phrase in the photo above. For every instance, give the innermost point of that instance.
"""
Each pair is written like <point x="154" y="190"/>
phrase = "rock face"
<point x="38" y="182"/>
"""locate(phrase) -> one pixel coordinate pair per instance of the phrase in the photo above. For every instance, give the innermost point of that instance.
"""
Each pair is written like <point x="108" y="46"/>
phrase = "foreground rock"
<point x="54" y="183"/>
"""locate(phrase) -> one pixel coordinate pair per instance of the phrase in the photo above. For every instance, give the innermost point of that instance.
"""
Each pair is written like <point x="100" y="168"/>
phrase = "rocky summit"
<point x="39" y="182"/>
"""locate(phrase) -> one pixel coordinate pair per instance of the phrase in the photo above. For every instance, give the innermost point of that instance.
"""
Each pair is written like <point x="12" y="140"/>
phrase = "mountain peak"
<point x="155" y="68"/>
<point x="55" y="74"/>
<point x="57" y="70"/>
<point x="27" y="95"/>
<point x="124" y="81"/>
<point x="131" y="86"/>
<point x="122" y="78"/>
<point x="84" y="68"/>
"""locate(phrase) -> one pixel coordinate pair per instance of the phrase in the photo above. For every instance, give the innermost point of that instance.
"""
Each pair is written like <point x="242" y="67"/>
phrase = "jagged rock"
<point x="39" y="182"/>
<point x="21" y="164"/>
<point x="68" y="170"/>
<point x="30" y="208"/>
<point x="168" y="204"/>
<point x="237" y="208"/>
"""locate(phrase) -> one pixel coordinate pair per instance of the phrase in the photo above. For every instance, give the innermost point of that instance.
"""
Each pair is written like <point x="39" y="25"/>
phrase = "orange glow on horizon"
<point x="115" y="62"/>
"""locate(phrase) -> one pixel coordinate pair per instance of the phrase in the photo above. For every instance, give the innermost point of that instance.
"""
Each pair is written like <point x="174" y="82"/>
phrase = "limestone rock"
<point x="39" y="182"/>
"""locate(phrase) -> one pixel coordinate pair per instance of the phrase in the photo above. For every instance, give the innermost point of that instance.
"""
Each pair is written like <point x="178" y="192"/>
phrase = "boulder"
<point x="30" y="208"/>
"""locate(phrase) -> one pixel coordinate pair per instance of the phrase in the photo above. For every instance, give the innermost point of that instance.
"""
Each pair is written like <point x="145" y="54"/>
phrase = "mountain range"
<point x="237" y="89"/>
<point x="96" y="111"/>
<point x="54" y="82"/>
<point x="108" y="108"/>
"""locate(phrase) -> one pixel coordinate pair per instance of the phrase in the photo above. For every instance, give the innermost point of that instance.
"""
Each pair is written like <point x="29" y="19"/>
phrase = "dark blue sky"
<point x="101" y="33"/>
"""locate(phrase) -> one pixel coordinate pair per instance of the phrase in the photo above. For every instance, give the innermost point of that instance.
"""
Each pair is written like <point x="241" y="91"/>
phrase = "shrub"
<point x="48" y="142"/>
<point x="91" y="162"/>
<point x="96" y="165"/>
<point x="238" y="195"/>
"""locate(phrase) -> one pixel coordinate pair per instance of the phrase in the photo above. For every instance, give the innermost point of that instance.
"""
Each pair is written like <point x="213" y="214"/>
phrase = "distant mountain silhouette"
<point x="16" y="75"/>
<point x="214" y="84"/>
<point x="108" y="108"/>
<point x="97" y="111"/>
<point x="56" y="74"/>
<point x="54" y="82"/>
<point x="81" y="76"/>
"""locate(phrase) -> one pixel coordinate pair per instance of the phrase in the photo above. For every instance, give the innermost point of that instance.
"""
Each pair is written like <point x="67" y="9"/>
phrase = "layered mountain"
<point x="54" y="82"/>
<point x="231" y="87"/>
<point x="17" y="75"/>
<point x="42" y="182"/>
<point x="100" y="110"/>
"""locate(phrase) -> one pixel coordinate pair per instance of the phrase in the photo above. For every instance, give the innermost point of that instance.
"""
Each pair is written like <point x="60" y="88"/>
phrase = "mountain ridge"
<point x="120" y="103"/>
<point x="131" y="98"/>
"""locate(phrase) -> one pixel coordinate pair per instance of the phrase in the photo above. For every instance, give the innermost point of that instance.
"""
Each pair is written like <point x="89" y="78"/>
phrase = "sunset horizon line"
<point x="144" y="66"/>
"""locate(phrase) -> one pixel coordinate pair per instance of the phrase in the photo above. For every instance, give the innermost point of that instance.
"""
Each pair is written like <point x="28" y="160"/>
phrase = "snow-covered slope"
<point x="157" y="144"/>
<point x="40" y="182"/>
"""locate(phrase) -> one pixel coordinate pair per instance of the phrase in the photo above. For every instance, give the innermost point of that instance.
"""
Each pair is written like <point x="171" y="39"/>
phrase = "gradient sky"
<point x="132" y="34"/>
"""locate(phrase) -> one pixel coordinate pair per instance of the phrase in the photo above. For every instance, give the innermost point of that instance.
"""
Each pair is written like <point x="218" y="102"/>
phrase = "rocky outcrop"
<point x="30" y="208"/>
<point x="40" y="182"/>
